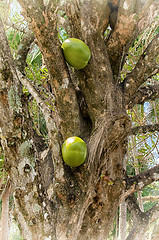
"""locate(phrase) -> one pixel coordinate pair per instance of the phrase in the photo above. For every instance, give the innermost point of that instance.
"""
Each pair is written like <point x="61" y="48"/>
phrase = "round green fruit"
<point x="76" y="52"/>
<point x="74" y="151"/>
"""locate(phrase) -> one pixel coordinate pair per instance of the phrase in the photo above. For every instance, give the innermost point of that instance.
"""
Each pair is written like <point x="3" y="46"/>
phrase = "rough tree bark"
<point x="122" y="216"/>
<point x="122" y="221"/>
<point x="52" y="200"/>
<point x="5" y="213"/>
<point x="142" y="220"/>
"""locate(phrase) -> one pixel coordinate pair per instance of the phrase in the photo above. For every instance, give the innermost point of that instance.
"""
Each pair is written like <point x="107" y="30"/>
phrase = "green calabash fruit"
<point x="74" y="151"/>
<point x="76" y="52"/>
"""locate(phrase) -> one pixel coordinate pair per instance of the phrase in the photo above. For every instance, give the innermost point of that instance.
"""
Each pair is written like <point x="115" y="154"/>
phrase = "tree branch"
<point x="150" y="198"/>
<point x="19" y="77"/>
<point x="88" y="18"/>
<point x="32" y="90"/>
<point x="134" y="208"/>
<point x="138" y="182"/>
<point x="33" y="9"/>
<point x="7" y="128"/>
<point x="153" y="213"/>
<point x="144" y="94"/>
<point x="144" y="129"/>
<point x="23" y="50"/>
<point x="129" y="23"/>
<point x="123" y="35"/>
<point x="146" y="67"/>
<point x="66" y="99"/>
<point x="148" y="14"/>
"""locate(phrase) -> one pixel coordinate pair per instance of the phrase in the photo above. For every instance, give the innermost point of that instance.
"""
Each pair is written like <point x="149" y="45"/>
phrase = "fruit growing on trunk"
<point x="74" y="151"/>
<point x="76" y="52"/>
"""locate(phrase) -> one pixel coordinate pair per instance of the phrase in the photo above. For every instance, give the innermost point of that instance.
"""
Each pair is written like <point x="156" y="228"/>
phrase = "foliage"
<point x="150" y="190"/>
<point x="14" y="39"/>
<point x="137" y="48"/>
<point x="34" y="57"/>
<point x="38" y="120"/>
<point x="62" y="34"/>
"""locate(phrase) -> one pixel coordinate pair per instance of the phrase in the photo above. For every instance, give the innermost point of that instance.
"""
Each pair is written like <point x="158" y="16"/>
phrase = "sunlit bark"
<point x="5" y="213"/>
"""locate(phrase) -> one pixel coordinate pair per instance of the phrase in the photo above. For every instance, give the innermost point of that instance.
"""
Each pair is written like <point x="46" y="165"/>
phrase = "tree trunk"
<point x="5" y="214"/>
<point x="136" y="164"/>
<point x="52" y="200"/>
<point x="122" y="221"/>
<point x="123" y="216"/>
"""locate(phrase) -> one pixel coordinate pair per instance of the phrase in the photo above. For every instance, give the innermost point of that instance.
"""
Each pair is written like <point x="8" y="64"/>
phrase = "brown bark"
<point x="145" y="94"/>
<point x="130" y="22"/>
<point x="144" y="129"/>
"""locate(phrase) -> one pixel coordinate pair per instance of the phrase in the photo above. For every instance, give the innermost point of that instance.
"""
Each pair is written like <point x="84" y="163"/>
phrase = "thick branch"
<point x="129" y="24"/>
<point x="33" y="9"/>
<point x="133" y="206"/>
<point x="23" y="50"/>
<point x="66" y="100"/>
<point x="5" y="51"/>
<point x="7" y="113"/>
<point x="143" y="179"/>
<point x="144" y="94"/>
<point x="122" y="36"/>
<point x="153" y="213"/>
<point x="146" y="67"/>
<point x="88" y="18"/>
<point x="144" y="129"/>
<point x="7" y="79"/>
<point x="148" y="15"/>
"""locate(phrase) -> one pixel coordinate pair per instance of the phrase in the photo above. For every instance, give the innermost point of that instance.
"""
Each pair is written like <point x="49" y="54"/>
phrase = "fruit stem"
<point x="107" y="179"/>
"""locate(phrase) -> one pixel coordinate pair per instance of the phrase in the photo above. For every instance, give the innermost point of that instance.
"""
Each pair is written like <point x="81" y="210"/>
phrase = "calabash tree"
<point x="53" y="200"/>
